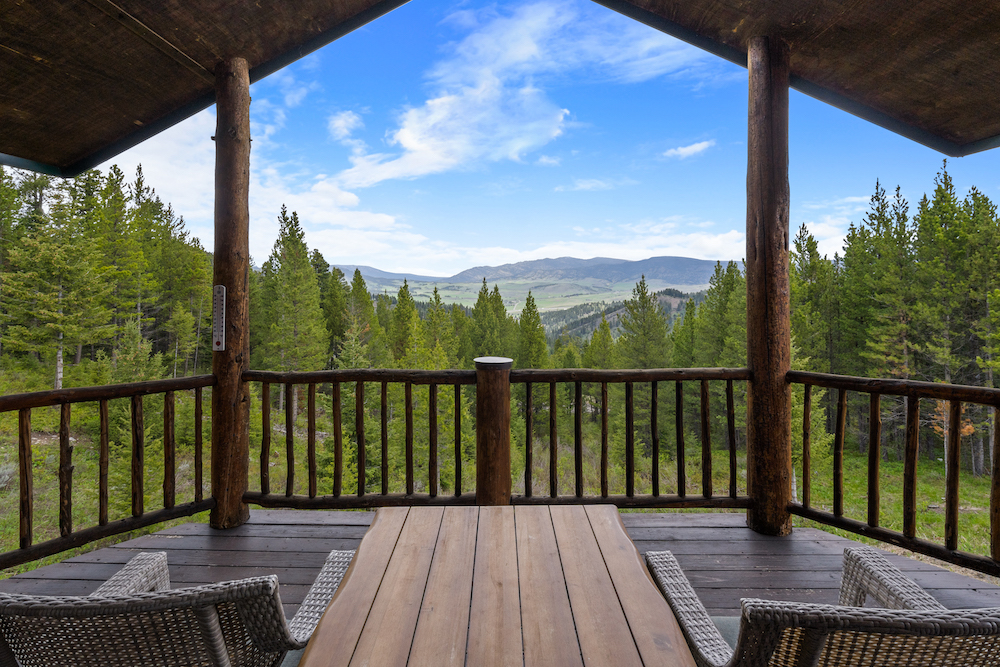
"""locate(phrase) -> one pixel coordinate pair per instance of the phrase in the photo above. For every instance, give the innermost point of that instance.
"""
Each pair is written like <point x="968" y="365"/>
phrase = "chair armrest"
<point x="144" y="573"/>
<point x="706" y="642"/>
<point x="319" y="596"/>
<point x="867" y="572"/>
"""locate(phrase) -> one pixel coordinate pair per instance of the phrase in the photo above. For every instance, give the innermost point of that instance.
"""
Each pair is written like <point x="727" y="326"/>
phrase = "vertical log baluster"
<point x="359" y="429"/>
<point x="265" y="438"/>
<point x="553" y="444"/>
<point x="289" y="439"/>
<point x="874" y="457"/>
<point x="27" y="487"/>
<point x="654" y="426"/>
<point x="679" y="424"/>
<point x="384" y="402"/>
<point x="953" y="461"/>
<point x="529" y="427"/>
<point x="910" y="466"/>
<point x="65" y="473"/>
<point x="838" y="454"/>
<point x="169" y="451"/>
<point x="408" y="391"/>
<point x="706" y="443"/>
<point x="807" y="446"/>
<point x="432" y="440"/>
<point x="458" y="440"/>
<point x="104" y="459"/>
<point x="338" y="442"/>
<point x="995" y="489"/>
<point x="629" y="440"/>
<point x="199" y="460"/>
<point x="604" y="439"/>
<point x="138" y="456"/>
<point x="731" y="432"/>
<point x="311" y="438"/>
<point x="578" y="438"/>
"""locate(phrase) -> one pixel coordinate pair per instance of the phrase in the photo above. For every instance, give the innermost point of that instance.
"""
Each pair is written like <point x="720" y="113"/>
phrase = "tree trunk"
<point x="59" y="362"/>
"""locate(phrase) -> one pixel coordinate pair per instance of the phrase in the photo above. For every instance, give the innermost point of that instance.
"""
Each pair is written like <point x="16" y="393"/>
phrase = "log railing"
<point x="914" y="392"/>
<point x="630" y="378"/>
<point x="70" y="536"/>
<point x="336" y="386"/>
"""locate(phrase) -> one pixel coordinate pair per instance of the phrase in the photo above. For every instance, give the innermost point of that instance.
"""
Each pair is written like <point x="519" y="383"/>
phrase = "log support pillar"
<point x="493" y="430"/>
<point x="230" y="395"/>
<point x="769" y="450"/>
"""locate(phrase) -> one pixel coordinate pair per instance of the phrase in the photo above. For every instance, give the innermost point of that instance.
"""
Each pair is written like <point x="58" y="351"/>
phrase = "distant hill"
<point x="674" y="270"/>
<point x="556" y="284"/>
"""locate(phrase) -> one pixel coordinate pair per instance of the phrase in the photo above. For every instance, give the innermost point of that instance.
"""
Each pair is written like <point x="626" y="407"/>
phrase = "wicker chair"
<point x="915" y="630"/>
<point x="135" y="619"/>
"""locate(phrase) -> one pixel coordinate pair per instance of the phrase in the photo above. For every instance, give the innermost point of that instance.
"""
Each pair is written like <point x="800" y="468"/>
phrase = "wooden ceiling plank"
<point x="154" y="39"/>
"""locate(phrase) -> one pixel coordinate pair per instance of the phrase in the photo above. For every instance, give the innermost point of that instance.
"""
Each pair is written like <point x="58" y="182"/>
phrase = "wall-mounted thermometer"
<point x="218" y="318"/>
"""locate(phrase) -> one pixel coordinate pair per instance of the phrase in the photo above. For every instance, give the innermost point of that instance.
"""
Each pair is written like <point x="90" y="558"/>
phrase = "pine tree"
<point x="439" y="331"/>
<point x="532" y="350"/>
<point x="404" y="325"/>
<point x="53" y="291"/>
<point x="600" y="353"/>
<point x="296" y="338"/>
<point x="643" y="343"/>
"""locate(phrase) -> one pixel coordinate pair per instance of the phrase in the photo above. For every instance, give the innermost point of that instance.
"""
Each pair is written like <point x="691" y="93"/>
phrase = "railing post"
<point x="230" y="395"/>
<point x="493" y="430"/>
<point x="769" y="436"/>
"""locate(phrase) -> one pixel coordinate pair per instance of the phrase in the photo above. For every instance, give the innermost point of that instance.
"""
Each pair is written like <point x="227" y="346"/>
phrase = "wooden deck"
<point x="724" y="560"/>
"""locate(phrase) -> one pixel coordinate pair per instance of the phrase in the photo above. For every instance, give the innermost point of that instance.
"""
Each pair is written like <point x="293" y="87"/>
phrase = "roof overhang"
<point x="86" y="80"/>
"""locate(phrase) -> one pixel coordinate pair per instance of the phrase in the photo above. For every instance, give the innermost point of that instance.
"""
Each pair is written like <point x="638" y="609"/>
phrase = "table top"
<point x="527" y="585"/>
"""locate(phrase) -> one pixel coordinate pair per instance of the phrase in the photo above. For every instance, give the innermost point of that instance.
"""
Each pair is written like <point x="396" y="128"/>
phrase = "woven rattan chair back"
<point x="135" y="620"/>
<point x="915" y="631"/>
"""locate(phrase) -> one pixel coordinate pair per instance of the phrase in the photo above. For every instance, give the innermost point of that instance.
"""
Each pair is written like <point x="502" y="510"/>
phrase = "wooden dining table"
<point x="535" y="585"/>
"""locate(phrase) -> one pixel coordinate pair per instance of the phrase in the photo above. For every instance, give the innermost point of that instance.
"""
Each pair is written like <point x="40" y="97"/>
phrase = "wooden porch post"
<point x="769" y="450"/>
<point x="230" y="399"/>
<point x="493" y="430"/>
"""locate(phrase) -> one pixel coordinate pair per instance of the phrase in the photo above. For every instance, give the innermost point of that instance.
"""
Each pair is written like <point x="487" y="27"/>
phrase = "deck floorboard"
<point x="723" y="559"/>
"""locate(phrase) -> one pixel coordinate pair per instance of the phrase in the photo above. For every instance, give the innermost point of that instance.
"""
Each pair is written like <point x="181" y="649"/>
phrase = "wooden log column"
<point x="769" y="450"/>
<point x="230" y="396"/>
<point x="493" y="430"/>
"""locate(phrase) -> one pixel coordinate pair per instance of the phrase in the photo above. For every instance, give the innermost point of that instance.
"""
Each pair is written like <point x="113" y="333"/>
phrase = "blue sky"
<point x="447" y="135"/>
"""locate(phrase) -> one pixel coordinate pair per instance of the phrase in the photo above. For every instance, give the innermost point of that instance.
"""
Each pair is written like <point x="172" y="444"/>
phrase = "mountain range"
<point x="555" y="283"/>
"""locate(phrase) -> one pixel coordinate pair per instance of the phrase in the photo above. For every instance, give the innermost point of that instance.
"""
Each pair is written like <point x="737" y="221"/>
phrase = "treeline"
<point x="82" y="262"/>
<point x="85" y="261"/>
<point x="913" y="297"/>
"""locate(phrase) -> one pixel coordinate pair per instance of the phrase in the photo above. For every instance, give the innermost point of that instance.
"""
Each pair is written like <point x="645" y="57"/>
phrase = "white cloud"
<point x="682" y="152"/>
<point x="548" y="161"/>
<point x="488" y="100"/>
<point x="829" y="220"/>
<point x="585" y="184"/>
<point x="343" y="124"/>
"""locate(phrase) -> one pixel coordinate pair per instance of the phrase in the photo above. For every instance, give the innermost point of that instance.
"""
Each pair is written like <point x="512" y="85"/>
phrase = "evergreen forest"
<point x="101" y="283"/>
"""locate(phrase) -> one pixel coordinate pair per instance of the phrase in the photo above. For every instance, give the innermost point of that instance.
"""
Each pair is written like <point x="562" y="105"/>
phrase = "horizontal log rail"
<point x="69" y="536"/>
<point x="364" y="375"/>
<point x="914" y="391"/>
<point x="41" y="399"/>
